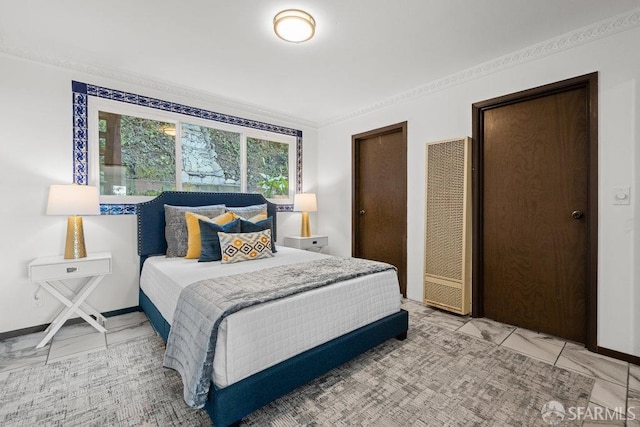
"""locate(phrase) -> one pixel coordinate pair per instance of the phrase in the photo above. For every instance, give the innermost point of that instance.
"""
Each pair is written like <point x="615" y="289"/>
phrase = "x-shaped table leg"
<point x="74" y="305"/>
<point x="69" y="294"/>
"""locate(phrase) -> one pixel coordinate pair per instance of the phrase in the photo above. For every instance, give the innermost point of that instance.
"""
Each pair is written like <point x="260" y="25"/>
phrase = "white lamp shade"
<point x="305" y="202"/>
<point x="73" y="199"/>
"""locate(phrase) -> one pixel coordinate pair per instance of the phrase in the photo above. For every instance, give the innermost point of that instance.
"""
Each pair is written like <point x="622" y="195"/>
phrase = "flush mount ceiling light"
<point x="294" y="25"/>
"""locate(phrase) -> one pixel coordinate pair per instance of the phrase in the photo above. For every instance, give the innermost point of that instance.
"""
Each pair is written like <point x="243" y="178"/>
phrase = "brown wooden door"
<point x="380" y="197"/>
<point x="535" y="213"/>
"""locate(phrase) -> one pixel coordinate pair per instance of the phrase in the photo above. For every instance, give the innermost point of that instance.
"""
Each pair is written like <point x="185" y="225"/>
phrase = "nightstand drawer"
<point x="306" y="242"/>
<point x="69" y="269"/>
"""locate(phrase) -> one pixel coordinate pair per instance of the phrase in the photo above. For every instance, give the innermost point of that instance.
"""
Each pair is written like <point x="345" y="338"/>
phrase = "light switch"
<point x="621" y="195"/>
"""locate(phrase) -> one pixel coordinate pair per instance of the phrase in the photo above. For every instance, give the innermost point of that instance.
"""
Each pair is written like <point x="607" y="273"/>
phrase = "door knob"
<point x="361" y="212"/>
<point x="577" y="214"/>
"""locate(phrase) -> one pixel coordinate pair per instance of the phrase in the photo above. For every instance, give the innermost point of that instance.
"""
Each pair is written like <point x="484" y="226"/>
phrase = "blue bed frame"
<point x="228" y="405"/>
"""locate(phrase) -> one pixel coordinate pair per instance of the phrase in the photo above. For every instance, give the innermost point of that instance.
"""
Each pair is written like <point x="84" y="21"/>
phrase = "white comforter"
<point x="262" y="336"/>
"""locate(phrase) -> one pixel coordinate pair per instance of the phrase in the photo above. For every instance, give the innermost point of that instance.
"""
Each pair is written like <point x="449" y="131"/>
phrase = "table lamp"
<point x="73" y="200"/>
<point x="305" y="203"/>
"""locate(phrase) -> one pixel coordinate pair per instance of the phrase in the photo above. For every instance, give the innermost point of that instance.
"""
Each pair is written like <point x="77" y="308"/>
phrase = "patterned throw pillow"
<point x="175" y="231"/>
<point x="210" y="243"/>
<point x="194" y="247"/>
<point x="253" y="226"/>
<point x="238" y="247"/>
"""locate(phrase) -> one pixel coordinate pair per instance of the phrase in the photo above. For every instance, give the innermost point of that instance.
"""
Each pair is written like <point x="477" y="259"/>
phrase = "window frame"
<point x="89" y="99"/>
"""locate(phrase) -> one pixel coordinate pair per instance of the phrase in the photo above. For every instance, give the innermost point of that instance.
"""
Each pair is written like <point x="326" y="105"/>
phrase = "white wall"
<point x="447" y="114"/>
<point x="36" y="151"/>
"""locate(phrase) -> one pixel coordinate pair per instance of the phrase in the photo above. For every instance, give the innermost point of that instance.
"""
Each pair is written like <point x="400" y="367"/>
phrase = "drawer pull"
<point x="72" y="269"/>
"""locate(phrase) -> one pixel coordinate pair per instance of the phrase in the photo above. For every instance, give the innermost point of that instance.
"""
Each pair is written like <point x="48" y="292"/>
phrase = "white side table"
<point x="50" y="272"/>
<point x="307" y="243"/>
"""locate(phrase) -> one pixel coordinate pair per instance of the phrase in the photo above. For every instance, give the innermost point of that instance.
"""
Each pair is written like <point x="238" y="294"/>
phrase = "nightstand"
<point x="50" y="272"/>
<point x="307" y="243"/>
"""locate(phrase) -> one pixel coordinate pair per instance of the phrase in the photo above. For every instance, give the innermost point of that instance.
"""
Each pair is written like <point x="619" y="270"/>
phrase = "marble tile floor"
<point x="617" y="383"/>
<point x="20" y="352"/>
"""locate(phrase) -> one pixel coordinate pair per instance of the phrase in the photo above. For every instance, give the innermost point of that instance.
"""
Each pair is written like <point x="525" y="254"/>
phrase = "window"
<point x="137" y="156"/>
<point x="268" y="167"/>
<point x="137" y="152"/>
<point x="210" y="159"/>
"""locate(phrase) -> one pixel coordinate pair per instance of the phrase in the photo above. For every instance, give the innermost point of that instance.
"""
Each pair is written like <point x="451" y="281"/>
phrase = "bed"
<point x="240" y="384"/>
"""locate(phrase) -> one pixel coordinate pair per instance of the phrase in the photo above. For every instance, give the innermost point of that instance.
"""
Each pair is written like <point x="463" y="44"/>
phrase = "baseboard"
<point x="619" y="355"/>
<point x="121" y="311"/>
<point x="75" y="320"/>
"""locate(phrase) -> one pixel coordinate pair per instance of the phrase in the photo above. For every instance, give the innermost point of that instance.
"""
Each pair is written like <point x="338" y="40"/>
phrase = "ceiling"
<point x="364" y="51"/>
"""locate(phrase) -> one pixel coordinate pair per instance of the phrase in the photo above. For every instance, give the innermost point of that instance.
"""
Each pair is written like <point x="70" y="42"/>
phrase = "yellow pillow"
<point x="259" y="217"/>
<point x="194" y="247"/>
<point x="223" y="219"/>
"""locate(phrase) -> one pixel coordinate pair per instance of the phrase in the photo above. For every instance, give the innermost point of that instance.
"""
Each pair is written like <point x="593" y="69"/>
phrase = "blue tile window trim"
<point x="118" y="209"/>
<point x="82" y="91"/>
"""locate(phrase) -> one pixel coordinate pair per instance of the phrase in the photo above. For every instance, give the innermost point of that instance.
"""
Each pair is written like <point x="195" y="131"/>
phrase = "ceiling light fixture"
<point x="294" y="25"/>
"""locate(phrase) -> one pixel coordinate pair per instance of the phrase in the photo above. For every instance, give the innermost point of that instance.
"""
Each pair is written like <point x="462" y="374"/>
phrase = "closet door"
<point x="380" y="197"/>
<point x="535" y="213"/>
<point x="535" y="209"/>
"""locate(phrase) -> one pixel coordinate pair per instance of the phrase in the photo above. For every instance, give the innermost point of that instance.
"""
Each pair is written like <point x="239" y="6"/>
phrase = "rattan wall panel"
<point x="444" y="209"/>
<point x="447" y="224"/>
<point x="442" y="295"/>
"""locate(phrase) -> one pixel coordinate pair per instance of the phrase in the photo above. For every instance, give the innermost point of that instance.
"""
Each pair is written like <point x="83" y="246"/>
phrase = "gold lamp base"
<point x="305" y="230"/>
<point x="74" y="247"/>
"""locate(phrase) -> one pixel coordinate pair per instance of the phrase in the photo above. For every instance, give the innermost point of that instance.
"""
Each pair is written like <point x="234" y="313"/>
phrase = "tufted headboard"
<point x="151" y="223"/>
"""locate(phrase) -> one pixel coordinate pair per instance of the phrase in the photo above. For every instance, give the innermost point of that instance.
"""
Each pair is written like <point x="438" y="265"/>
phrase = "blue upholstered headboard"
<point x="151" y="240"/>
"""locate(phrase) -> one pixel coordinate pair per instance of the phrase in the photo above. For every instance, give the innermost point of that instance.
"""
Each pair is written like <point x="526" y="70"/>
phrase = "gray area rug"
<point x="434" y="378"/>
